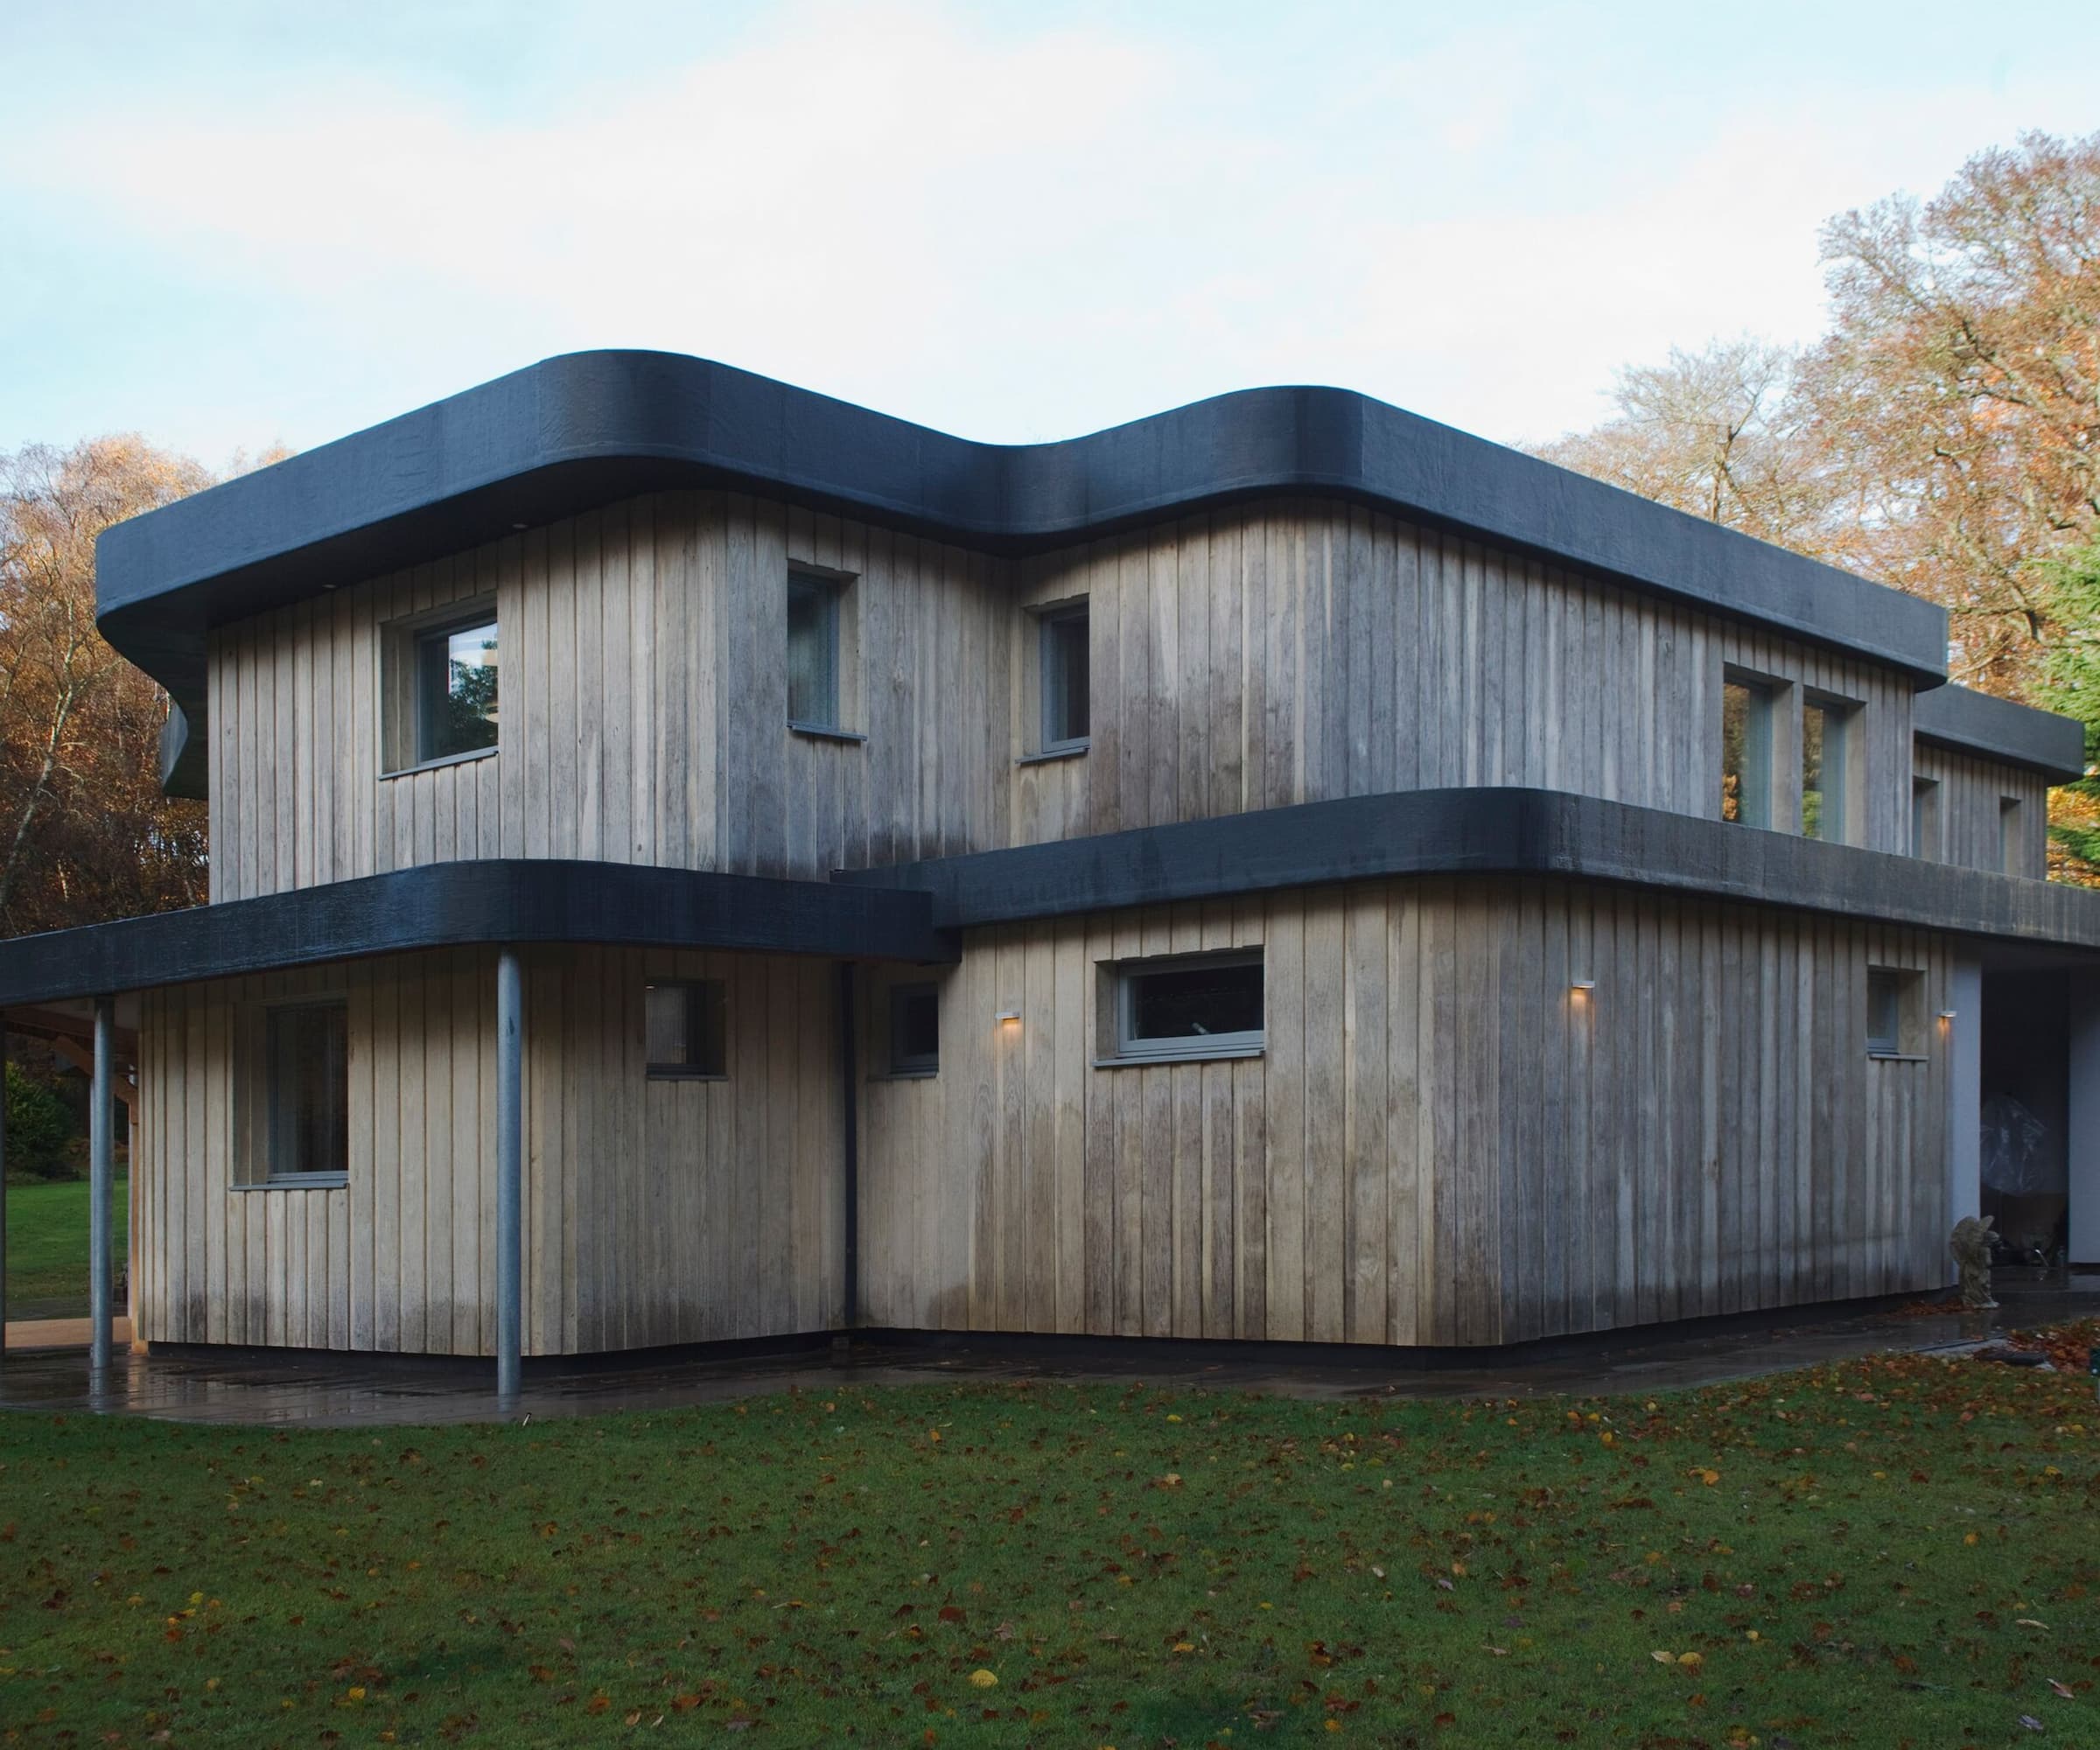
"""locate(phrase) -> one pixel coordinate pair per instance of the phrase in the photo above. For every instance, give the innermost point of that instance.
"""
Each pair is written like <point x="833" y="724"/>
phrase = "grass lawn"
<point x="47" y="1247"/>
<point x="1897" y="1551"/>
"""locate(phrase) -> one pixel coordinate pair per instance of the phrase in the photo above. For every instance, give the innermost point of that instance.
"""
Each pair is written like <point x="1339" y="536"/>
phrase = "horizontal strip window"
<point x="1187" y="1006"/>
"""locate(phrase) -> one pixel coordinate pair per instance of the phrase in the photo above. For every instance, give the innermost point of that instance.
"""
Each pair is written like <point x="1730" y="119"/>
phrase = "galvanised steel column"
<point x="510" y="1170"/>
<point x="101" y="1175"/>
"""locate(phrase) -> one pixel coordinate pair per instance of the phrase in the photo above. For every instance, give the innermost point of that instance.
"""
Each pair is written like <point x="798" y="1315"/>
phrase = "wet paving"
<point x="258" y="1389"/>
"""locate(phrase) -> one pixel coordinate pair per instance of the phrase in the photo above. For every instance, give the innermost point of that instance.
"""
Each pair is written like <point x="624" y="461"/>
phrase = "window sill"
<point x="1070" y="750"/>
<point x="436" y="765"/>
<point x="905" y="1075"/>
<point x="683" y="1075"/>
<point x="1194" y="1055"/>
<point x="818" y="732"/>
<point x="298" y="1181"/>
<point x="1897" y="1057"/>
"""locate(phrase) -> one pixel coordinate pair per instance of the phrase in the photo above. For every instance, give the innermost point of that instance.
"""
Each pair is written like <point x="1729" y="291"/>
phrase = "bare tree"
<point x="84" y="830"/>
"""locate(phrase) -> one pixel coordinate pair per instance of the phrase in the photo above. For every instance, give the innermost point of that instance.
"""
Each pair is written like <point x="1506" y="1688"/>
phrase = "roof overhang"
<point x="1483" y="832"/>
<point x="586" y="429"/>
<point x="449" y="905"/>
<point x="1970" y="721"/>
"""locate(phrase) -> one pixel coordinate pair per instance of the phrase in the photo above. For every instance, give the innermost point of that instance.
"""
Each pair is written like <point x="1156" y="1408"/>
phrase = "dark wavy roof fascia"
<point x="586" y="429"/>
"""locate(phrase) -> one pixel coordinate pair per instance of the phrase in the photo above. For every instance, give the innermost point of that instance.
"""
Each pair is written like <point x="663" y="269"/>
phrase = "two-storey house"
<point x="694" y="860"/>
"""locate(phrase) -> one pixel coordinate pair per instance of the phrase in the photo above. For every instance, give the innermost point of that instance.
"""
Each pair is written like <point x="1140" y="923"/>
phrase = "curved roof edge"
<point x="1489" y="831"/>
<point x="585" y="429"/>
<point x="512" y="900"/>
<point x="1971" y="722"/>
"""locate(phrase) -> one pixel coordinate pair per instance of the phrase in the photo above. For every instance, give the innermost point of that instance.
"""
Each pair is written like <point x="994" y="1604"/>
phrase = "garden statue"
<point x="1971" y="1244"/>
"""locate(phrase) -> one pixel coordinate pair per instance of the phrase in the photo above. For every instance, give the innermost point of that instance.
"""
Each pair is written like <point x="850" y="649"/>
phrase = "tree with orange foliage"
<point x="85" y="833"/>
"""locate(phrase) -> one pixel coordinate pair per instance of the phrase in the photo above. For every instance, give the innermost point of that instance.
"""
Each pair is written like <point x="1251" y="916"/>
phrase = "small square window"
<point x="686" y="1029"/>
<point x="1894" y="1012"/>
<point x="915" y="1029"/>
<point x="1745" y="751"/>
<point x="812" y="650"/>
<point x="456" y="674"/>
<point x="306" y="1092"/>
<point x="1192" y="1006"/>
<point x="439" y="674"/>
<point x="1063" y="633"/>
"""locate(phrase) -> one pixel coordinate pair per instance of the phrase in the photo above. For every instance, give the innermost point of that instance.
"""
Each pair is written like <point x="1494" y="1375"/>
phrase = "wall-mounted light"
<point x="1582" y="987"/>
<point x="1946" y="1015"/>
<point x="1008" y="1018"/>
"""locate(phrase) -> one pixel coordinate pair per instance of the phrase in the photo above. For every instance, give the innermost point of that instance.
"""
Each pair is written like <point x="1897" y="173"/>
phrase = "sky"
<point x="229" y="226"/>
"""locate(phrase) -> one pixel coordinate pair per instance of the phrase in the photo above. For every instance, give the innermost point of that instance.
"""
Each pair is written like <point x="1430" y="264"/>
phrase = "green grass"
<point x="1897" y="1552"/>
<point x="47" y="1247"/>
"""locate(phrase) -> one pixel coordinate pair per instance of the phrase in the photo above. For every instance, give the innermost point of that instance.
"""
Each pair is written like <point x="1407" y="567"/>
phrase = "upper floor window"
<point x="2010" y="857"/>
<point x="1827" y="738"/>
<point x="1063" y="635"/>
<point x="1924" y="817"/>
<point x="441" y="675"/>
<point x="1746" y="716"/>
<point x="812" y="650"/>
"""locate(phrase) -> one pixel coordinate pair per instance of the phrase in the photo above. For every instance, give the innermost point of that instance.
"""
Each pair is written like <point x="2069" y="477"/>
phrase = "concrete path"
<point x="258" y="1388"/>
<point x="61" y="1333"/>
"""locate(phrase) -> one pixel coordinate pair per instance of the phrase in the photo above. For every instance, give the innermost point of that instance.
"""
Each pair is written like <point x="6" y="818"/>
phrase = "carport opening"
<point x="2024" y="1156"/>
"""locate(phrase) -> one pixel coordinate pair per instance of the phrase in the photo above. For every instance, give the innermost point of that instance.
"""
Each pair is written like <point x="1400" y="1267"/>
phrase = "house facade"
<point x="693" y="861"/>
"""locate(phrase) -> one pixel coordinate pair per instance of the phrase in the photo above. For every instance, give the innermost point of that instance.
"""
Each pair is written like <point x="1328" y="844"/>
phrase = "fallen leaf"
<point x="984" y="1680"/>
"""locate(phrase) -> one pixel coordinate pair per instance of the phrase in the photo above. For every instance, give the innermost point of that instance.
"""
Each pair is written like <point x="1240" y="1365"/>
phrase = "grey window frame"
<point x="2012" y="853"/>
<point x="1925" y="818"/>
<point x="1756" y="784"/>
<point x="828" y="590"/>
<point x="439" y="634"/>
<point x="1895" y="1025"/>
<point x="1052" y="629"/>
<point x="263" y="1172"/>
<point x="1840" y="721"/>
<point x="696" y="991"/>
<point x="903" y="1065"/>
<point x="405" y="720"/>
<point x="1184" y="1048"/>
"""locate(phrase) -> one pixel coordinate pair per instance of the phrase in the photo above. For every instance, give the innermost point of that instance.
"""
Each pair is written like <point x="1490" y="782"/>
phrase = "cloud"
<point x="1013" y="229"/>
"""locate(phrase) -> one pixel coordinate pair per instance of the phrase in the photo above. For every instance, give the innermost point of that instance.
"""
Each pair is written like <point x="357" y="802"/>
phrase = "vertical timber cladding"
<point x="656" y="1211"/>
<point x="1703" y="1133"/>
<point x="1970" y="791"/>
<point x="1283" y="651"/>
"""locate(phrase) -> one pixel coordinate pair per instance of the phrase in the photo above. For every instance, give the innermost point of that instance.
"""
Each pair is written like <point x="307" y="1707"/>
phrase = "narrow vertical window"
<point x="685" y="1030"/>
<point x="915" y="1029"/>
<point x="1895" y="1012"/>
<point x="307" y="1092"/>
<point x="812" y="651"/>
<point x="455" y="690"/>
<point x="1065" y="677"/>
<point x="1746" y="751"/>
<point x="1825" y="747"/>
<point x="1924" y="817"/>
<point x="2010" y="861"/>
